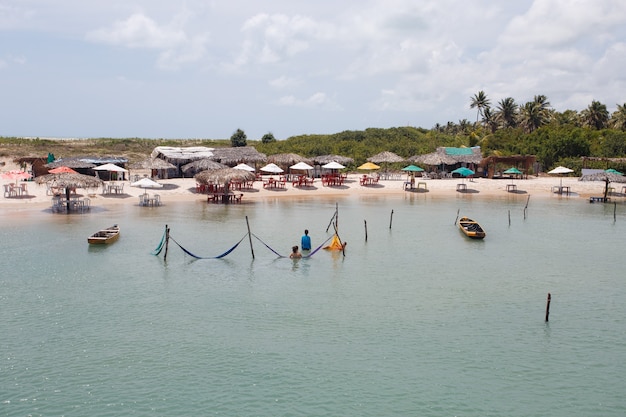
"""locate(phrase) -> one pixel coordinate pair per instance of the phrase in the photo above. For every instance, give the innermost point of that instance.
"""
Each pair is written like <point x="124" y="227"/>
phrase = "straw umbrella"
<point x="68" y="181"/>
<point x="224" y="176"/>
<point x="285" y="160"/>
<point x="607" y="177"/>
<point x="152" y="163"/>
<point x="200" y="165"/>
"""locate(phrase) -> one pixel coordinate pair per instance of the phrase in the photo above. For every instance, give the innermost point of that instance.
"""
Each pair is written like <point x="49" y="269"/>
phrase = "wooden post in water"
<point x="548" y="307"/>
<point x="614" y="210"/>
<point x="250" y="237"/>
<point x="457" y="216"/>
<point x="526" y="206"/>
<point x="391" y="219"/>
<point x="365" y="222"/>
<point x="509" y="217"/>
<point x="167" y="241"/>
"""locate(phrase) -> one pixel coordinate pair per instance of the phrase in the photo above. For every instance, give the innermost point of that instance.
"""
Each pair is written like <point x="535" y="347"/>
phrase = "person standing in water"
<point x="305" y="242"/>
<point x="294" y="253"/>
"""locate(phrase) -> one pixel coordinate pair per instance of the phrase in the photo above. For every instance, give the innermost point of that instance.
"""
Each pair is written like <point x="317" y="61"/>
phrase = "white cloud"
<point x="317" y="100"/>
<point x="140" y="31"/>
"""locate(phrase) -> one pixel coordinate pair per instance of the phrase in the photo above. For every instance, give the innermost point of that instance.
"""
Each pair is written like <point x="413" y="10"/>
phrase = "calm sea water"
<point x="415" y="321"/>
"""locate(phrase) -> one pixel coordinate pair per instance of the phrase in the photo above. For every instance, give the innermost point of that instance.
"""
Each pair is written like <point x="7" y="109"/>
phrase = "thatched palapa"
<point x="237" y="155"/>
<point x="152" y="163"/>
<point x="287" y="159"/>
<point x="386" y="157"/>
<point x="181" y="156"/>
<point x="325" y="159"/>
<point x="449" y="156"/>
<point x="200" y="165"/>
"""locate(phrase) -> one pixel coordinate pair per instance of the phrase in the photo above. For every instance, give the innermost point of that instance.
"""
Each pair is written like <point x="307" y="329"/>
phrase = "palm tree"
<point x="506" y="113"/>
<point x="618" y="118"/>
<point x="595" y="116"/>
<point x="481" y="102"/>
<point x="535" y="114"/>
<point x="490" y="120"/>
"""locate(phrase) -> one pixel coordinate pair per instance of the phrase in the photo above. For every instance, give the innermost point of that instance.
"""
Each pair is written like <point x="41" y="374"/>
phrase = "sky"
<point x="205" y="68"/>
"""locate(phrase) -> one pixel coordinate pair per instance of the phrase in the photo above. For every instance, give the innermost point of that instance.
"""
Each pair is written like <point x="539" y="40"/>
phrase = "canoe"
<point x="471" y="228"/>
<point x="108" y="235"/>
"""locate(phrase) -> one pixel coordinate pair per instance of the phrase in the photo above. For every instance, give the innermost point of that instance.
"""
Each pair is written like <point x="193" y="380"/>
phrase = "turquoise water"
<point x="417" y="320"/>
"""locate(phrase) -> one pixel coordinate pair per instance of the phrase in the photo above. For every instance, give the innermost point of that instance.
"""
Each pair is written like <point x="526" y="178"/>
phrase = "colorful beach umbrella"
<point x="368" y="166"/>
<point x="412" y="168"/>
<point x="16" y="175"/>
<point x="463" y="171"/>
<point x="613" y="171"/>
<point x="62" y="169"/>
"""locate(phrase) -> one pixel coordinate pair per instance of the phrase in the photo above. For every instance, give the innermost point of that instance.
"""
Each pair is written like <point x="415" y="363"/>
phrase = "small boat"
<point x="471" y="228"/>
<point x="108" y="235"/>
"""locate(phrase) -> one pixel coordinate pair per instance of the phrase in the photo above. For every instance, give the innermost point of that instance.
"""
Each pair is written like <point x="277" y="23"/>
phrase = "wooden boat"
<point x="471" y="228"/>
<point x="108" y="235"/>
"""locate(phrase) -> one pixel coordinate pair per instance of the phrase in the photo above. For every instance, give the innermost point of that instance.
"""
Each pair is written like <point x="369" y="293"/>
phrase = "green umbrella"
<point x="613" y="171"/>
<point x="463" y="171"/>
<point x="412" y="168"/>
<point x="513" y="171"/>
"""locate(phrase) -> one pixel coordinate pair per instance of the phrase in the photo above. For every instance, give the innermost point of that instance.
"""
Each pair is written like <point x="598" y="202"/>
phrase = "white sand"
<point x="183" y="189"/>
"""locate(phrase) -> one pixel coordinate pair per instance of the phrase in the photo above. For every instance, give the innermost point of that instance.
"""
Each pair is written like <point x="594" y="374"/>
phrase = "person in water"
<point x="305" y="242"/>
<point x="294" y="253"/>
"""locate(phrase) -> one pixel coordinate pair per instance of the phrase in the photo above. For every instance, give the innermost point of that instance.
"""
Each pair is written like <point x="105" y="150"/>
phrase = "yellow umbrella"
<point x="368" y="165"/>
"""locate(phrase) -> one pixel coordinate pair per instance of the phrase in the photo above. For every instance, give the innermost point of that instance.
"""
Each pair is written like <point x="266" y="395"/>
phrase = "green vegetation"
<point x="532" y="128"/>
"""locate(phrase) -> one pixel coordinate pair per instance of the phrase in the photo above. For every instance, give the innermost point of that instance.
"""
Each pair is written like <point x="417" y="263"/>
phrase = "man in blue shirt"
<point x="305" y="242"/>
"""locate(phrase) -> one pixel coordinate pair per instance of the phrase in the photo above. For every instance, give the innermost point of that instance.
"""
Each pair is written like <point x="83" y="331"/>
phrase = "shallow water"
<point x="417" y="320"/>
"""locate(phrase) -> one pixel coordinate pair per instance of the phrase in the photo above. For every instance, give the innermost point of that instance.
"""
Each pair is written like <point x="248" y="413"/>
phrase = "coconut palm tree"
<point x="490" y="120"/>
<point x="595" y="116"/>
<point x="618" y="118"/>
<point x="507" y="112"/>
<point x="481" y="102"/>
<point x="535" y="114"/>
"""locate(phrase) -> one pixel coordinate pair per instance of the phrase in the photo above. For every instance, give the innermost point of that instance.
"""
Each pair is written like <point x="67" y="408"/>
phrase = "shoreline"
<point x="183" y="190"/>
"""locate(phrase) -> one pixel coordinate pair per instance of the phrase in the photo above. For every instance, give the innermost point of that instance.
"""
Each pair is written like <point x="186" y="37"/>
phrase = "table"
<point x="422" y="184"/>
<point x="461" y="187"/>
<point x="561" y="189"/>
<point x="511" y="187"/>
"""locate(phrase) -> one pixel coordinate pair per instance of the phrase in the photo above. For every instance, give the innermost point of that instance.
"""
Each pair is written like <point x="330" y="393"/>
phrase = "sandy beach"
<point x="184" y="189"/>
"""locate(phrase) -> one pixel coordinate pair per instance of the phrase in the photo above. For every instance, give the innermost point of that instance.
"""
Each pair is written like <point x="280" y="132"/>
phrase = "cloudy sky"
<point x="204" y="68"/>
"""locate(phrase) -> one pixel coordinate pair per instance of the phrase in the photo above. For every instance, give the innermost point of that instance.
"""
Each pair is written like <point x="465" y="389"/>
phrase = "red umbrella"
<point x="62" y="169"/>
<point x="16" y="175"/>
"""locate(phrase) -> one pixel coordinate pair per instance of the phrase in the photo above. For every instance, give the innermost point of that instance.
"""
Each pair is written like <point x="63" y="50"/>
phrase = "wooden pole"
<point x="548" y="307"/>
<point x="614" y="211"/>
<point x="336" y="215"/>
<point x="526" y="206"/>
<point x="167" y="241"/>
<point x="365" y="222"/>
<point x="457" y="216"/>
<point x="509" y="217"/>
<point x="250" y="237"/>
<point x="391" y="219"/>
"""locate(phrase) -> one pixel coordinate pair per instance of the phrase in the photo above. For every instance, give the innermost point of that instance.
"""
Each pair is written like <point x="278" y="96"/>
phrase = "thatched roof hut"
<point x="386" y="157"/>
<point x="181" y="156"/>
<point x="449" y="156"/>
<point x="224" y="175"/>
<point x="287" y="159"/>
<point x="237" y="155"/>
<point x="152" y="163"/>
<point x="200" y="165"/>
<point x="324" y="159"/>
